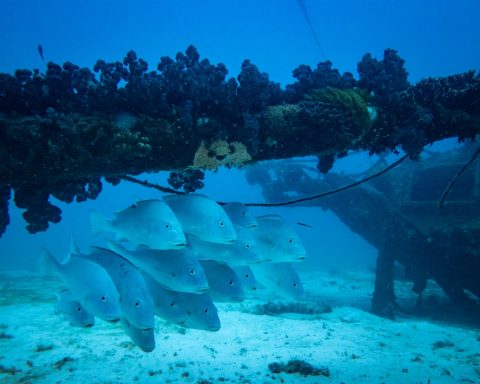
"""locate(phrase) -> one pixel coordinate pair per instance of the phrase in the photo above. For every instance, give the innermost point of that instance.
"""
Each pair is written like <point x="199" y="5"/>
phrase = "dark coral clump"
<point x="299" y="367"/>
<point x="398" y="116"/>
<point x="256" y="91"/>
<point x="416" y="115"/>
<point x="322" y="76"/>
<point x="39" y="211"/>
<point x="189" y="179"/>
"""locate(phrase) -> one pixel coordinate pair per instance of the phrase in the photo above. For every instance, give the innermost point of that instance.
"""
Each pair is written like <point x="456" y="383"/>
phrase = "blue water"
<point x="436" y="38"/>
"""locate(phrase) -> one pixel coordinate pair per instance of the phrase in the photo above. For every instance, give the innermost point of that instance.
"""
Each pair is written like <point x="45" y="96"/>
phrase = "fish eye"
<point x="246" y="275"/>
<point x="133" y="206"/>
<point x="222" y="223"/>
<point x="172" y="304"/>
<point x="103" y="298"/>
<point x="79" y="309"/>
<point x="295" y="284"/>
<point x="243" y="213"/>
<point x="137" y="304"/>
<point x="247" y="246"/>
<point x="206" y="310"/>
<point x="230" y="282"/>
<point x="290" y="241"/>
<point x="167" y="225"/>
<point x="192" y="271"/>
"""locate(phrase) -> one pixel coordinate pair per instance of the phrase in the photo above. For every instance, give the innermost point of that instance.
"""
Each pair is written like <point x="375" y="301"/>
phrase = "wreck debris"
<point x="397" y="213"/>
<point x="64" y="130"/>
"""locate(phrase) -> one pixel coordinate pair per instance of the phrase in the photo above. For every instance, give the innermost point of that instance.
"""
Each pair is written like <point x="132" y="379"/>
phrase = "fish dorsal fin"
<point x="74" y="248"/>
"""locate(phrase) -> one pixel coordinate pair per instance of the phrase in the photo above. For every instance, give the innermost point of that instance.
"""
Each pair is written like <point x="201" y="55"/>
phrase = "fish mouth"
<point x="214" y="328"/>
<point x="182" y="244"/>
<point x="181" y="322"/>
<point x="112" y="319"/>
<point x="202" y="289"/>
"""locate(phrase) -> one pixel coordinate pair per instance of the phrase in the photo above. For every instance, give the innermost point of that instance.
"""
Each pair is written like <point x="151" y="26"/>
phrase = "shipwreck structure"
<point x="398" y="213"/>
<point x="64" y="129"/>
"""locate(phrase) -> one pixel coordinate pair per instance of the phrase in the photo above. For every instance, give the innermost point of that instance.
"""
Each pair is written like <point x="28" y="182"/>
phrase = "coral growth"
<point x="321" y="77"/>
<point x="300" y="367"/>
<point x="63" y="130"/>
<point x="353" y="100"/>
<point x="189" y="179"/>
<point x="220" y="153"/>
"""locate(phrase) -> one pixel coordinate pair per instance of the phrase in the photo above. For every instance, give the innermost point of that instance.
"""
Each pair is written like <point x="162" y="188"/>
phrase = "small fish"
<point x="185" y="309"/>
<point x="165" y="302"/>
<point x="247" y="277"/>
<point x="304" y="225"/>
<point x="40" y="52"/>
<point x="243" y="251"/>
<point x="142" y="338"/>
<point x="148" y="222"/>
<point x="202" y="217"/>
<point x="135" y="301"/>
<point x="201" y="311"/>
<point x="240" y="215"/>
<point x="178" y="270"/>
<point x="72" y="310"/>
<point x="223" y="282"/>
<point x="276" y="241"/>
<point x="280" y="278"/>
<point x="89" y="283"/>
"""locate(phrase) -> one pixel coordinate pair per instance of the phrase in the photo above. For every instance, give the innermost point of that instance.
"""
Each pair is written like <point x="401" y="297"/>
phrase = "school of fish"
<point x="178" y="256"/>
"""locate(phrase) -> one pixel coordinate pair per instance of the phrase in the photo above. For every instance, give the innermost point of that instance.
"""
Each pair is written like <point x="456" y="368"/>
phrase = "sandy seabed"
<point x="37" y="346"/>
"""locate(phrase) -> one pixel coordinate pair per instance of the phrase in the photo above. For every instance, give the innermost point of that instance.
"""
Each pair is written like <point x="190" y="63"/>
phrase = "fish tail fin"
<point x="74" y="248"/>
<point x="47" y="263"/>
<point x="99" y="223"/>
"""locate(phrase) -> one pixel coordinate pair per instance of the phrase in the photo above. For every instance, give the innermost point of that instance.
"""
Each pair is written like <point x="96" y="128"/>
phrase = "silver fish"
<point x="201" y="312"/>
<point x="135" y="301"/>
<point x="148" y="222"/>
<point x="72" y="310"/>
<point x="223" y="282"/>
<point x="243" y="251"/>
<point x="89" y="283"/>
<point x="185" y="309"/>
<point x="142" y="338"/>
<point x="202" y="217"/>
<point x="276" y="241"/>
<point x="240" y="215"/>
<point x="247" y="277"/>
<point x="280" y="278"/>
<point x="165" y="302"/>
<point x="178" y="270"/>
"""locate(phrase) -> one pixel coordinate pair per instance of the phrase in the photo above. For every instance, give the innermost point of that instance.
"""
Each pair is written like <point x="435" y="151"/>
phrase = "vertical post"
<point x="383" y="302"/>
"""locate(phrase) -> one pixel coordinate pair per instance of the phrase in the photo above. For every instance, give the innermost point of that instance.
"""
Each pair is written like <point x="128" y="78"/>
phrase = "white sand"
<point x="356" y="346"/>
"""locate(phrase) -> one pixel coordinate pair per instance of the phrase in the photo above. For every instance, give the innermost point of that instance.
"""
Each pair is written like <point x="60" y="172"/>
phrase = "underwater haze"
<point x="325" y="334"/>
